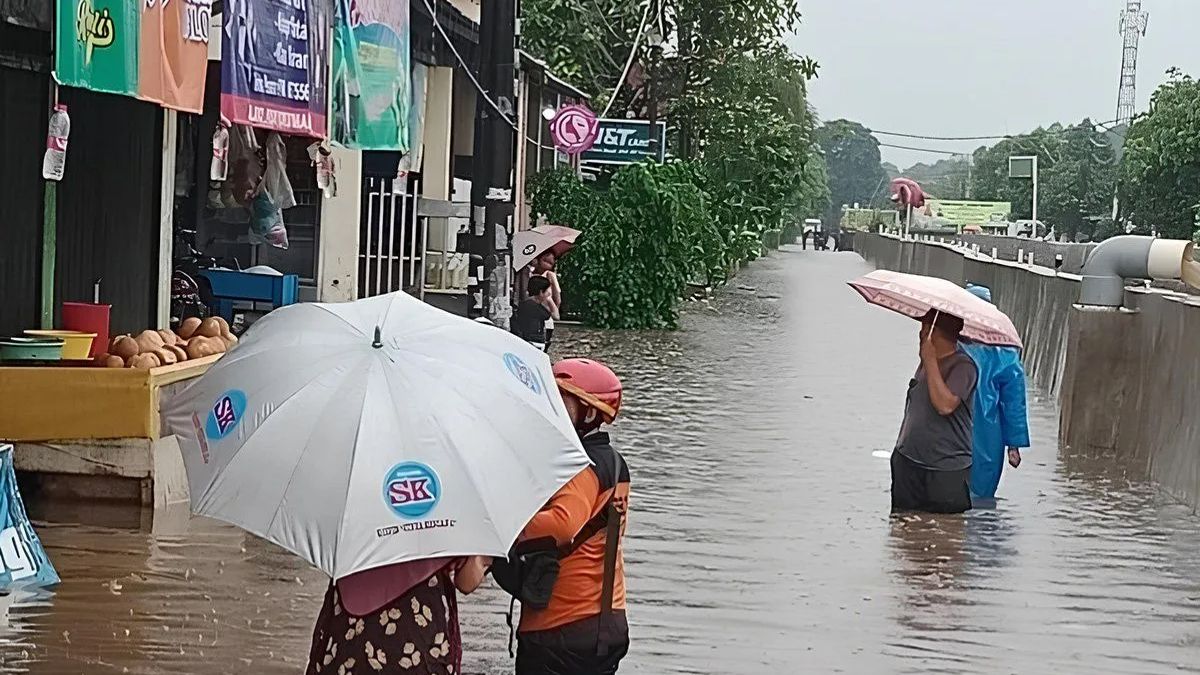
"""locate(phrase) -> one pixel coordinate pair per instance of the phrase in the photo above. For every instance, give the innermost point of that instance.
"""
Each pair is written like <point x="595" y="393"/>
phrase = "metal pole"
<point x="1035" y="197"/>
<point x="492" y="163"/>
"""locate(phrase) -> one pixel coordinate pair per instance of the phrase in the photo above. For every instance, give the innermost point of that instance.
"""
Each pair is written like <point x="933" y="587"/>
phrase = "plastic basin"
<point x="31" y="349"/>
<point x="77" y="346"/>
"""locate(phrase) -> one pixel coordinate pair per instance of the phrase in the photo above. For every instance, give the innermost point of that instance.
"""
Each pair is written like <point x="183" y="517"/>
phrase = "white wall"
<point x="337" y="262"/>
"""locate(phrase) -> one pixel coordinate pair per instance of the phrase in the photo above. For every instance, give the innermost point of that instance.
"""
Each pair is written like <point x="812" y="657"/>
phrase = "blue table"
<point x="230" y="286"/>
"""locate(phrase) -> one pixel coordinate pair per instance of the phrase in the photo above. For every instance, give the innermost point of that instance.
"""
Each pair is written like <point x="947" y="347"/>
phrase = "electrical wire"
<point x="637" y="41"/>
<point x="467" y="69"/>
<point x="929" y="150"/>
<point x="998" y="137"/>
<point x="478" y="87"/>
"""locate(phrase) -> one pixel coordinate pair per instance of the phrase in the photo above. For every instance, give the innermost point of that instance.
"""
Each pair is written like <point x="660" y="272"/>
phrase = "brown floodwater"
<point x="760" y="539"/>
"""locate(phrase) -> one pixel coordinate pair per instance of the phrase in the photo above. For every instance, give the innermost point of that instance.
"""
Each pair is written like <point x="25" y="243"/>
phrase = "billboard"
<point x="962" y="212"/>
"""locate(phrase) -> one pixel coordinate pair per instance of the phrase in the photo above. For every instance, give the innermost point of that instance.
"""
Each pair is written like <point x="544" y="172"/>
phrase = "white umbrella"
<point x="375" y="432"/>
<point x="529" y="244"/>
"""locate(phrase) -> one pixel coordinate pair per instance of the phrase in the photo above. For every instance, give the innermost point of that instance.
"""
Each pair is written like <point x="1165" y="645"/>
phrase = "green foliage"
<point x="856" y="174"/>
<point x="644" y="238"/>
<point x="1160" y="173"/>
<point x="1077" y="176"/>
<point x="944" y="179"/>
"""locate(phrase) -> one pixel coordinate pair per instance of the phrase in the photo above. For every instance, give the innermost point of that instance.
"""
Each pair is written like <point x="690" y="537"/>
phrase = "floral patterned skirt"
<point x="416" y="634"/>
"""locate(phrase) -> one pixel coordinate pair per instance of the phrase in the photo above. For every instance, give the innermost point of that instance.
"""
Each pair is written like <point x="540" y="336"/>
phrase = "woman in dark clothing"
<point x="415" y="632"/>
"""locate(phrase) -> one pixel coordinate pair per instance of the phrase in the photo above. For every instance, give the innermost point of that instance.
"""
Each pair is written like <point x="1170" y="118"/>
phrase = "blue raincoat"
<point x="1000" y="418"/>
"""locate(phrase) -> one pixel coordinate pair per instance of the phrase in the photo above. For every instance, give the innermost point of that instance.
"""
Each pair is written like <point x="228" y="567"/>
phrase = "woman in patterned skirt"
<point x="395" y="619"/>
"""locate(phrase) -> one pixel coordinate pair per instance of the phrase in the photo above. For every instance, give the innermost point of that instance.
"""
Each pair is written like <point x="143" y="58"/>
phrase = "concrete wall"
<point x="1127" y="381"/>
<point x="337" y="255"/>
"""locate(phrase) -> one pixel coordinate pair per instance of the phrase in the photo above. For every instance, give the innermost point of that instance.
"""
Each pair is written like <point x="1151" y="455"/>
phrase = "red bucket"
<point x="87" y="317"/>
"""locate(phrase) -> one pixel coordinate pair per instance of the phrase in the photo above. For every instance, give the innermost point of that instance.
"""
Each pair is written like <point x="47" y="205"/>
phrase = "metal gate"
<point x="391" y="239"/>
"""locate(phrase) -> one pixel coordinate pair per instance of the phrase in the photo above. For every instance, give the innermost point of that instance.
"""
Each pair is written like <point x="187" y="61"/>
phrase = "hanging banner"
<point x="96" y="45"/>
<point x="371" y="82"/>
<point x="274" y="64"/>
<point x="156" y="50"/>
<point x="174" y="53"/>
<point x="23" y="561"/>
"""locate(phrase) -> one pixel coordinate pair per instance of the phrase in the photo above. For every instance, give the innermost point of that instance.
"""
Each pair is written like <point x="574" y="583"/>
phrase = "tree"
<point x="856" y="174"/>
<point x="1160" y="171"/>
<point x="944" y="179"/>
<point x="1076" y="176"/>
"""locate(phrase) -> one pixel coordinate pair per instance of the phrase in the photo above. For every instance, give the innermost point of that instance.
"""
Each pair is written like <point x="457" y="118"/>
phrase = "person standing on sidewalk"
<point x="931" y="464"/>
<point x="1001" y="423"/>
<point x="544" y="267"/>
<point x="583" y="629"/>
<point x="534" y="313"/>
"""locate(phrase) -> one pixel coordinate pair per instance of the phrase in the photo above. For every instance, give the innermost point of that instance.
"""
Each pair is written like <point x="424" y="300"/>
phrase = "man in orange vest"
<point x="583" y="629"/>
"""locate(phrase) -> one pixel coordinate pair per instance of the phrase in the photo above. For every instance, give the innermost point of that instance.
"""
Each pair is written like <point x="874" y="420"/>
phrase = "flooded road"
<point x="760" y="539"/>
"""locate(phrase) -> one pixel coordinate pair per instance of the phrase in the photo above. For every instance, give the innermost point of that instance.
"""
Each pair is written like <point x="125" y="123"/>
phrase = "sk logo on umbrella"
<point x="225" y="414"/>
<point x="411" y="489"/>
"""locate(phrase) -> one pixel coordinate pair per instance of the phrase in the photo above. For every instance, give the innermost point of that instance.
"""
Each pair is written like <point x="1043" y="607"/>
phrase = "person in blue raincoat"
<point x="1001" y="422"/>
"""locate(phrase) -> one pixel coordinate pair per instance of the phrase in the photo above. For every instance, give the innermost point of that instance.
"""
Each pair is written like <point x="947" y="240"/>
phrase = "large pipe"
<point x="1129" y="257"/>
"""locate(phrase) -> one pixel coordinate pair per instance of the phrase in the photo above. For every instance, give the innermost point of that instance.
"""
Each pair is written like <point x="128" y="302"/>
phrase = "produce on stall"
<point x="194" y="339"/>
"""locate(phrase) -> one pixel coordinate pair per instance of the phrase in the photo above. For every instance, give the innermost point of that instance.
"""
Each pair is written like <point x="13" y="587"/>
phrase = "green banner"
<point x="372" y="87"/>
<point x="963" y="213"/>
<point x="97" y="45"/>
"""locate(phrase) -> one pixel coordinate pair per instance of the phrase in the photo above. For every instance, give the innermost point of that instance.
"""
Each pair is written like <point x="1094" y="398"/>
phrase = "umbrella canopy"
<point x="529" y="244"/>
<point x="381" y="431"/>
<point x="907" y="192"/>
<point x="914" y="296"/>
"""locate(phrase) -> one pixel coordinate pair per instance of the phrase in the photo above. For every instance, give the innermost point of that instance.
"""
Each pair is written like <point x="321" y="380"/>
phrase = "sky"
<point x="982" y="67"/>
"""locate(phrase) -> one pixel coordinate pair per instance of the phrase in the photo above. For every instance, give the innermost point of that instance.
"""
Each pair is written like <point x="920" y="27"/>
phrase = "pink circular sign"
<point x="574" y="129"/>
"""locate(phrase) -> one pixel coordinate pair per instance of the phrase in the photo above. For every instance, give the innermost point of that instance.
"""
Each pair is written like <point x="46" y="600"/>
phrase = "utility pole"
<point x="489" y="284"/>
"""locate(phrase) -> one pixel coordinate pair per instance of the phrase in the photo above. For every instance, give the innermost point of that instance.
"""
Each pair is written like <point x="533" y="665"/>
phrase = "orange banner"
<point x="173" y="59"/>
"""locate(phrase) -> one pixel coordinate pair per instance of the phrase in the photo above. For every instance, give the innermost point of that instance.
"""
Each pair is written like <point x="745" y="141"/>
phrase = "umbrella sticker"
<point x="412" y="490"/>
<point x="530" y="377"/>
<point x="225" y="415"/>
<point x="524" y="374"/>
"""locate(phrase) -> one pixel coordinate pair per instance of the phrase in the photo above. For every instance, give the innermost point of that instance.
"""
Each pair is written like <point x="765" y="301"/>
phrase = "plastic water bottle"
<point x="219" y="168"/>
<point x="54" y="162"/>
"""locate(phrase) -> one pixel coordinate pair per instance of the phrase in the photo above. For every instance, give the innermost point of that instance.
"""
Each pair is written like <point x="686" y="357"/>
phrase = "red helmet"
<point x="593" y="383"/>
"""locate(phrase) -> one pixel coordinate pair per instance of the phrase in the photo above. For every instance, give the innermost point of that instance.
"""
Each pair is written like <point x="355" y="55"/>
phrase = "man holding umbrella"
<point x="931" y="464"/>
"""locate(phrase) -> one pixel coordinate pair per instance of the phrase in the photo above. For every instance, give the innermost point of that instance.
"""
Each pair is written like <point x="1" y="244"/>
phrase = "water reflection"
<point x="760" y="538"/>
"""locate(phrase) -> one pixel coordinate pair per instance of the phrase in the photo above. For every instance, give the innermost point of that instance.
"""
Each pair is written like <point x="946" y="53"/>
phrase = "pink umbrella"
<point x="907" y="192"/>
<point x="914" y="296"/>
<point x="529" y="244"/>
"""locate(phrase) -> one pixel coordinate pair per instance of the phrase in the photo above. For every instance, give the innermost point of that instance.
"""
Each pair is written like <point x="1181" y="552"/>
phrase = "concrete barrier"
<point x="1127" y="380"/>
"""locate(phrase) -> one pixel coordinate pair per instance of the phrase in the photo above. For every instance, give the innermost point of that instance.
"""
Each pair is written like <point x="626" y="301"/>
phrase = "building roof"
<point x="529" y="61"/>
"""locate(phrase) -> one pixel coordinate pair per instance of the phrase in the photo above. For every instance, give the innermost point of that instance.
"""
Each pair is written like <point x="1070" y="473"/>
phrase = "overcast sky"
<point x="976" y="67"/>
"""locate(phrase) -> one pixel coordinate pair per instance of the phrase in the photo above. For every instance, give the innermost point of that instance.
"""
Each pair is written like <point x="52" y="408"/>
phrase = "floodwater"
<point x="760" y="539"/>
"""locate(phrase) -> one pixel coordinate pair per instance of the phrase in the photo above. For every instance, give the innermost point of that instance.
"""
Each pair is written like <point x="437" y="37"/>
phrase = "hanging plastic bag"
<point x="266" y="220"/>
<point x="276" y="172"/>
<point x="24" y="560"/>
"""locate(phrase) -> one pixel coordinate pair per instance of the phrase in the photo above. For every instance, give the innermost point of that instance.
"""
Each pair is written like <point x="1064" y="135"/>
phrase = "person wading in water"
<point x="582" y="629"/>
<point x="931" y="464"/>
